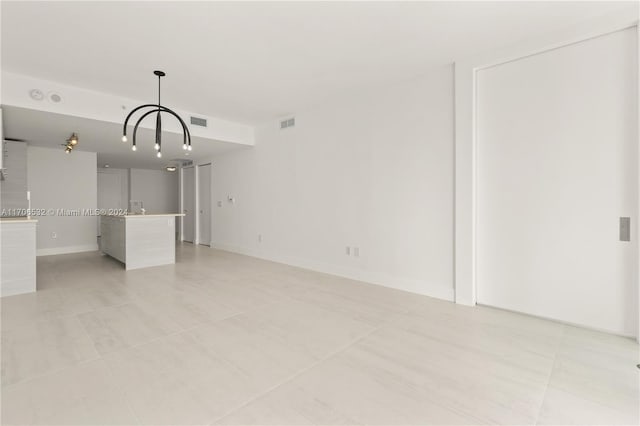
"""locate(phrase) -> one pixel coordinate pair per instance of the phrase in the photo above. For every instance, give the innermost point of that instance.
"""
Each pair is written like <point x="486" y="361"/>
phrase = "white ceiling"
<point x="50" y="130"/>
<point x="256" y="61"/>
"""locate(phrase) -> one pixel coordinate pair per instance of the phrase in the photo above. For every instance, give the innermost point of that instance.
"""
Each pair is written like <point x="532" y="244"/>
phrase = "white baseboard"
<point x="438" y="291"/>
<point x="66" y="250"/>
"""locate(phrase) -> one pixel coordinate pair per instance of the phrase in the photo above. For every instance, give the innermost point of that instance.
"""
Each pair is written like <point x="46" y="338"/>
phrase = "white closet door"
<point x="557" y="169"/>
<point x="109" y="193"/>
<point x="188" y="204"/>
<point x="204" y="204"/>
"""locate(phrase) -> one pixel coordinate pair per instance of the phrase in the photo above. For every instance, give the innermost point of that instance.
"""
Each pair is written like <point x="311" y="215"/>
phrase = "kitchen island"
<point x="17" y="256"/>
<point x="140" y="240"/>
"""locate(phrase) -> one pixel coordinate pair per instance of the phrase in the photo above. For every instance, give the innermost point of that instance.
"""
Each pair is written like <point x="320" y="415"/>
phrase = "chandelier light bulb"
<point x="133" y="148"/>
<point x="189" y="148"/>
<point x="124" y="138"/>
<point x="184" y="146"/>
<point x="157" y="147"/>
<point x="159" y="154"/>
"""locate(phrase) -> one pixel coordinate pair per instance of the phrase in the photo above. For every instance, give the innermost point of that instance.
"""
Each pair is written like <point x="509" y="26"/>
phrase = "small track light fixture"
<point x="71" y="143"/>
<point x="158" y="109"/>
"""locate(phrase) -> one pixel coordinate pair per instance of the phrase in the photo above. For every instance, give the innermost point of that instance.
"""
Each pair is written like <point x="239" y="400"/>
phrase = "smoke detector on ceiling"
<point x="36" y="94"/>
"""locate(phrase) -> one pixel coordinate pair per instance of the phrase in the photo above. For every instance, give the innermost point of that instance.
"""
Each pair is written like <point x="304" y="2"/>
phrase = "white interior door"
<point x="204" y="204"/>
<point x="188" y="204"/>
<point x="109" y="193"/>
<point x="557" y="168"/>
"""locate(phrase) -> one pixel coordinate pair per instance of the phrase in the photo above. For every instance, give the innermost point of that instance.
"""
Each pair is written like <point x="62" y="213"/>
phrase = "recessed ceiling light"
<point x="54" y="97"/>
<point x="171" y="168"/>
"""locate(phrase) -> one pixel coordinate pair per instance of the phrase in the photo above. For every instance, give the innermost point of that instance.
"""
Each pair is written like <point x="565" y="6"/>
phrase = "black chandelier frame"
<point x="159" y="109"/>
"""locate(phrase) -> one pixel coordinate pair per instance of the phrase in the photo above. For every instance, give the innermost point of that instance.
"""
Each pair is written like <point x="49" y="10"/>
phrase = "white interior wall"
<point x="123" y="191"/>
<point x="373" y="171"/>
<point x="63" y="181"/>
<point x="157" y="189"/>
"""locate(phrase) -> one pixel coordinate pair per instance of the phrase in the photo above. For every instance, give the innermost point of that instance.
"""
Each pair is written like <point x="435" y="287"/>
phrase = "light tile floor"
<point x="226" y="339"/>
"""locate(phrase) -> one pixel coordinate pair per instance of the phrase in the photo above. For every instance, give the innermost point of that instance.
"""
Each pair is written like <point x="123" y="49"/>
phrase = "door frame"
<point x="182" y="204"/>
<point x="123" y="176"/>
<point x="465" y="76"/>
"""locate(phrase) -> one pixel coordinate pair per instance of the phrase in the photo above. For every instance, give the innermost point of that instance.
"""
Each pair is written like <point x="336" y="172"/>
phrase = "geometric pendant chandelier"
<point x="158" y="109"/>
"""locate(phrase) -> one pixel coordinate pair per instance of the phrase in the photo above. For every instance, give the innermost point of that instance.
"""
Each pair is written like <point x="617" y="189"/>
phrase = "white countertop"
<point x="129" y="216"/>
<point x="17" y="220"/>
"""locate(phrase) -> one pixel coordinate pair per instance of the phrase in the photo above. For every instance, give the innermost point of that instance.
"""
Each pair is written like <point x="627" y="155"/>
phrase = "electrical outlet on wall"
<point x="347" y="251"/>
<point x="356" y="251"/>
<point x="54" y="235"/>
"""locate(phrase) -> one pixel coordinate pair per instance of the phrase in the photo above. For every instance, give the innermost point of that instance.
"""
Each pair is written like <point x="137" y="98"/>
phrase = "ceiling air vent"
<point x="180" y="162"/>
<point x="196" y="121"/>
<point x="289" y="122"/>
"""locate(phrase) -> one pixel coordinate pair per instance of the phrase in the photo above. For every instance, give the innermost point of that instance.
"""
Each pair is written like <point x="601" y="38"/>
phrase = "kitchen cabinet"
<point x="13" y="188"/>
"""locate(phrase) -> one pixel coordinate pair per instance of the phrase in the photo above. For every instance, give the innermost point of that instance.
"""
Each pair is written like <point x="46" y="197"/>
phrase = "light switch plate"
<point x="625" y="229"/>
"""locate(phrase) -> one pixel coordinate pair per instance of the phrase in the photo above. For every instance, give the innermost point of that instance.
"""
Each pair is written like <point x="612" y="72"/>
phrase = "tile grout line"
<point x="101" y="356"/>
<point x="155" y="339"/>
<point x="121" y="390"/>
<point x="182" y="330"/>
<point x="111" y="373"/>
<point x="301" y="372"/>
<point x="116" y="384"/>
<point x="553" y="366"/>
<point x="52" y="372"/>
